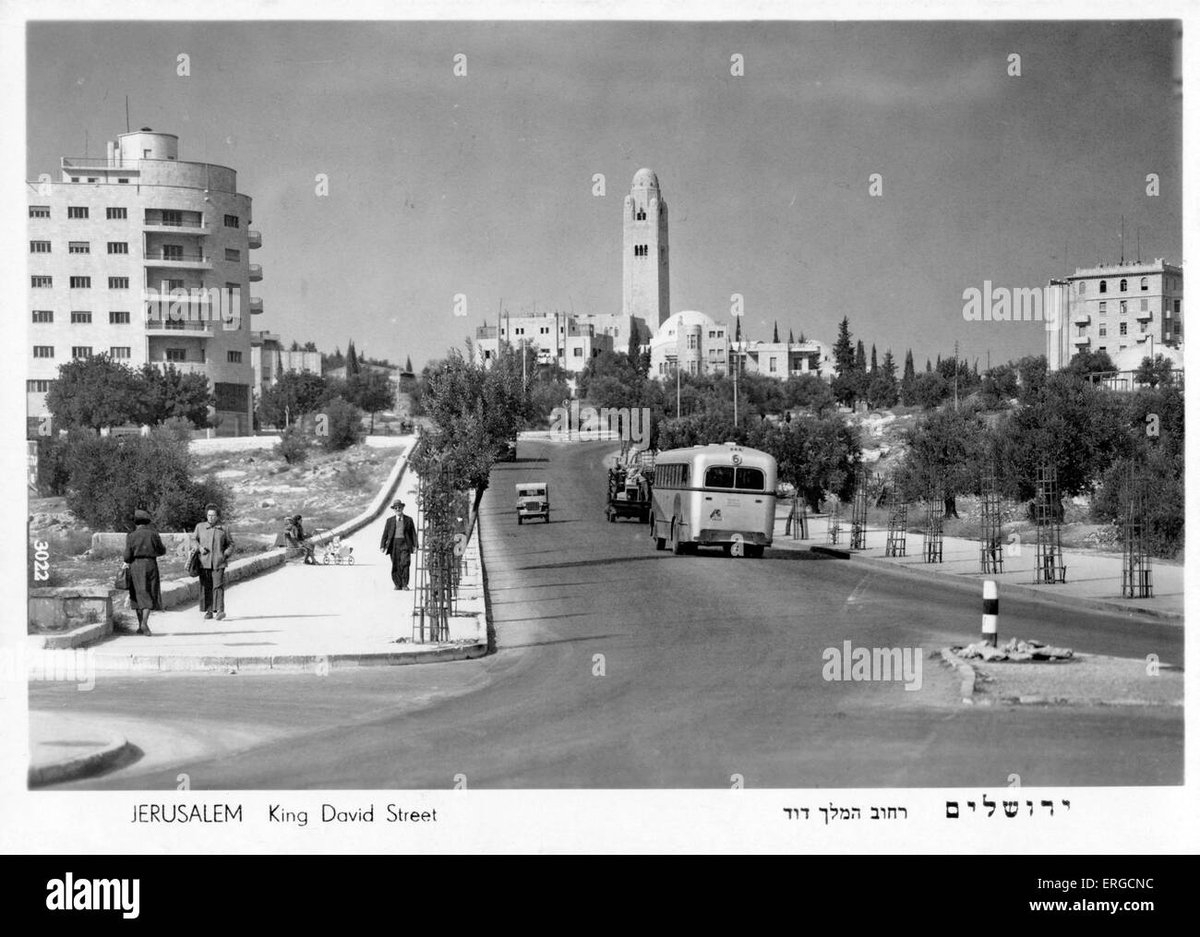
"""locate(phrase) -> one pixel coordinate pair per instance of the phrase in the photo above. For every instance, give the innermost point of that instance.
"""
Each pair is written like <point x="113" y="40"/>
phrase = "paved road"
<point x="711" y="666"/>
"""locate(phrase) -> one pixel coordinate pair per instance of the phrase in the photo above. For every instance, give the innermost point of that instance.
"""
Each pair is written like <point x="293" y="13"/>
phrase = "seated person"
<point x="296" y="539"/>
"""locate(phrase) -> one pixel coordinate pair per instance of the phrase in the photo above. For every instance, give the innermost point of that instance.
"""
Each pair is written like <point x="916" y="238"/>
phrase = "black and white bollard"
<point x="991" y="611"/>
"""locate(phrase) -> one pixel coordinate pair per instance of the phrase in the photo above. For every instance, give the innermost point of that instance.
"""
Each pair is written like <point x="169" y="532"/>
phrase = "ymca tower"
<point x="647" y="292"/>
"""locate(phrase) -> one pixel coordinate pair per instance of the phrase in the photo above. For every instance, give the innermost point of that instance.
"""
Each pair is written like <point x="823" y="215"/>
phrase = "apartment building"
<point x="144" y="257"/>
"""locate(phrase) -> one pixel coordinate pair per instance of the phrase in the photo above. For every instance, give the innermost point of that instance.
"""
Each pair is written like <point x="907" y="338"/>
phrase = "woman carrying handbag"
<point x="143" y="546"/>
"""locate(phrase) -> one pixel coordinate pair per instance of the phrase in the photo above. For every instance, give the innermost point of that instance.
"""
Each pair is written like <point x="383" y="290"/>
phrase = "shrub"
<point x="344" y="424"/>
<point x="352" y="478"/>
<point x="1158" y="478"/>
<point x="178" y="428"/>
<point x="53" y="473"/>
<point x="292" y="446"/>
<point x="111" y="477"/>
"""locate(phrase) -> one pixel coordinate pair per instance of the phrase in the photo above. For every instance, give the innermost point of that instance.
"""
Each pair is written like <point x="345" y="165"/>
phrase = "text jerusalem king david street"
<point x="186" y="813"/>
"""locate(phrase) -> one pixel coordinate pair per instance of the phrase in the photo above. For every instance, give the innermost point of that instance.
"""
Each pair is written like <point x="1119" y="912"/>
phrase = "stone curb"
<point x="70" y="769"/>
<point x="1018" y="590"/>
<point x="965" y="671"/>
<point x="283" y="663"/>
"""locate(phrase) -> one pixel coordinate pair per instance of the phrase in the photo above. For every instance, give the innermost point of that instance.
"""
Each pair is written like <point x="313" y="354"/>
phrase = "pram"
<point x="333" y="552"/>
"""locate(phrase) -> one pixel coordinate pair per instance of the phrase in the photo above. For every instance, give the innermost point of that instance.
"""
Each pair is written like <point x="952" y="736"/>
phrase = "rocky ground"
<point x="327" y="489"/>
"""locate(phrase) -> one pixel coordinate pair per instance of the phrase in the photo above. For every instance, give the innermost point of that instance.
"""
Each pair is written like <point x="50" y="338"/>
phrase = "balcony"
<point x="183" y="367"/>
<point x="256" y="306"/>
<point x="255" y="273"/>
<point x="179" y="260"/>
<point x="1082" y="318"/>
<point x="1081" y="340"/>
<point x="255" y="238"/>
<point x="171" y="328"/>
<point x="1144" y="315"/>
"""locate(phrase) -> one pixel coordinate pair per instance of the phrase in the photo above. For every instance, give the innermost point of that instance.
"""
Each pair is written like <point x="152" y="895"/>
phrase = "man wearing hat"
<point x="212" y="541"/>
<point x="400" y="542"/>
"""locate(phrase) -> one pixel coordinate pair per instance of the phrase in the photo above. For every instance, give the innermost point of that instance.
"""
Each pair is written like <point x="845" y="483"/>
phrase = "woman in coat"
<point x="143" y="546"/>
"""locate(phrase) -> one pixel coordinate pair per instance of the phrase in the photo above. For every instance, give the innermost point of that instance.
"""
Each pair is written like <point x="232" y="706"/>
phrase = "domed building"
<point x="692" y="341"/>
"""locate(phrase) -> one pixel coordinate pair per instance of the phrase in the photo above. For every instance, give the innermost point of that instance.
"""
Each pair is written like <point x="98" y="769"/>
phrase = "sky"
<point x="482" y="184"/>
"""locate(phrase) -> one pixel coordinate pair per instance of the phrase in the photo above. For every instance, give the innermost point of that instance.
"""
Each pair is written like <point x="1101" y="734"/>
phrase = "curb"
<point x="966" y="672"/>
<point x="81" y="766"/>
<point x="1019" y="590"/>
<point x="283" y="663"/>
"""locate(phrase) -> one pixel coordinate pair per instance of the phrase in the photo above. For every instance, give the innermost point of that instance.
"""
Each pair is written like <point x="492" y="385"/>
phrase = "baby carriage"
<point x="334" y="552"/>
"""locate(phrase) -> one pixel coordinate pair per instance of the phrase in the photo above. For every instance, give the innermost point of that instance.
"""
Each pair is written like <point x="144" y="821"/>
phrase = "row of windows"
<point x="1144" y="306"/>
<point x="79" y="247"/>
<point x="117" y="212"/>
<point x="123" y="351"/>
<point x="1123" y="285"/>
<point x="641" y="250"/>
<point x="95" y="179"/>
<point x="80" y="317"/>
<point x="114" y="283"/>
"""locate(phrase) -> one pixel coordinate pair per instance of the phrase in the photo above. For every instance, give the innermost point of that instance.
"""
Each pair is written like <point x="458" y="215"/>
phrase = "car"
<point x="533" y="500"/>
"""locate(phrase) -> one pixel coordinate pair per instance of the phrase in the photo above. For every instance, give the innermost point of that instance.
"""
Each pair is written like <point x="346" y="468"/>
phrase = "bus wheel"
<point x="754" y="550"/>
<point x="677" y="546"/>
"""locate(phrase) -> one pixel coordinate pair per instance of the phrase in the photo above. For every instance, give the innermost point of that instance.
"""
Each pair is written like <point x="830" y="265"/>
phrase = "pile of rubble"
<point x="1015" y="650"/>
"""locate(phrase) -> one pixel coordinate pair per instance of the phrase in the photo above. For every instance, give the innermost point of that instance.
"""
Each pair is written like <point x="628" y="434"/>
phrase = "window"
<point x="175" y="285"/>
<point x="171" y="219"/>
<point x="172" y="252"/>
<point x="232" y="253"/>
<point x="772" y="366"/>
<point x="544" y="330"/>
<point x="1145" y="283"/>
<point x="1103" y="308"/>
<point x="74" y="178"/>
<point x="81" y="317"/>
<point x="578" y="352"/>
<point x="39" y="211"/>
<point x="1145" y="305"/>
<point x="37" y="387"/>
<point x="233" y="286"/>
<point x="234" y="357"/>
<point x="116" y="213"/>
<point x="81" y="351"/>
<point x="79" y="247"/>
<point x="118" y="318"/>
<point x="1176" y="305"/>
<point x="39" y="247"/>
<point x="1167" y="314"/>
<point x="119" y="351"/>
<point x="692" y="342"/>
<point x="41" y="282"/>
<point x="1104" y="286"/>
<point x="749" y="479"/>
<point x="81" y="283"/>
<point x="118" y="247"/>
<point x="719" y="476"/>
<point x="1144" y="327"/>
<point x="92" y="179"/>
<point x="231" y="221"/>
<point x="43" y="316"/>
<point x="1102" y="348"/>
<point x="77" y="211"/>
<point x="118" y="283"/>
<point x="1124" y="285"/>
<point x="1124" y="307"/>
<point x="123" y="181"/>
<point x="176" y="354"/>
<point x="1103" y="330"/>
<point x="1124" y="328"/>
<point x="43" y="351"/>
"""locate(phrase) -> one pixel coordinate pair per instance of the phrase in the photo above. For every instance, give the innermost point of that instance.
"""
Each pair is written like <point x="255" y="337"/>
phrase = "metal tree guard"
<point x="934" y="502"/>
<point x="1048" y="564"/>
<point x="1136" y="572"/>
<point x="835" y="520"/>
<point x="858" y="513"/>
<point x="897" y="535"/>
<point x="438" y="559"/>
<point x="991" y="545"/>
<point x="797" y="520"/>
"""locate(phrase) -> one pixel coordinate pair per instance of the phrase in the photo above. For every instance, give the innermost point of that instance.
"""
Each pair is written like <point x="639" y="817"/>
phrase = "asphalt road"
<point x="621" y="667"/>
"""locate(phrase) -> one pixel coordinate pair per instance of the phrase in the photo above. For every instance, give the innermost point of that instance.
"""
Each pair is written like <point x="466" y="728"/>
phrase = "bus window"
<point x="719" y="476"/>
<point x="749" y="479"/>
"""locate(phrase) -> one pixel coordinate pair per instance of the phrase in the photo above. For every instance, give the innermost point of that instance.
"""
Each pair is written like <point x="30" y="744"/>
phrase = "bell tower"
<point x="645" y="260"/>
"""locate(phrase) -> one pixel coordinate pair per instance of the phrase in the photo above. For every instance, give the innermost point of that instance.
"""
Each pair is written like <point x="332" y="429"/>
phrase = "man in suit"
<point x="400" y="542"/>
<point x="215" y="546"/>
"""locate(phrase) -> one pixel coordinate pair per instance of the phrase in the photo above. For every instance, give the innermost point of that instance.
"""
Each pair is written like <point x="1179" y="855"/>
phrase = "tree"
<point x="930" y="390"/>
<point x="1084" y="364"/>
<point x="775" y="334"/>
<point x="295" y="394"/>
<point x="791" y="341"/>
<point x="352" y="365"/>
<point x="408" y="365"/>
<point x="883" y="391"/>
<point x="908" y="380"/>
<point x="370" y="391"/>
<point x="843" y="349"/>
<point x="343" y="423"/>
<point x="1031" y="377"/>
<point x="809" y="391"/>
<point x="874" y="363"/>
<point x="860" y="358"/>
<point x="946" y="450"/>
<point x="94" y="392"/>
<point x="818" y="455"/>
<point x="1153" y="372"/>
<point x="169" y="394"/>
<point x="633" y="351"/>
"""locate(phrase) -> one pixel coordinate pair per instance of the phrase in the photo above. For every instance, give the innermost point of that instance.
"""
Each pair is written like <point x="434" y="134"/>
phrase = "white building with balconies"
<point x="146" y="258"/>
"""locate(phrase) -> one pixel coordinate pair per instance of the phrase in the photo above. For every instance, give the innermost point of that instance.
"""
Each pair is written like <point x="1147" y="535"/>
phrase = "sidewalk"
<point x="1093" y="579"/>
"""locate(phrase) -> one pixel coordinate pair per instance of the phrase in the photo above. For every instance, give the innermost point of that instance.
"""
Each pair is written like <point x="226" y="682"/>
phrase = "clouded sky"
<point x="482" y="184"/>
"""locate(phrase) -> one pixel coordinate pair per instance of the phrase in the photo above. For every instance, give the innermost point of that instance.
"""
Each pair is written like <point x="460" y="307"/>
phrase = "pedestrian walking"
<point x="298" y="540"/>
<point x="214" y="546"/>
<point x="143" y="547"/>
<point x="399" y="541"/>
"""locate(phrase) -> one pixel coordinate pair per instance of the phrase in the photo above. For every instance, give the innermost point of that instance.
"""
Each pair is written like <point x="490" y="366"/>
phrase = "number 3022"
<point x="41" y="560"/>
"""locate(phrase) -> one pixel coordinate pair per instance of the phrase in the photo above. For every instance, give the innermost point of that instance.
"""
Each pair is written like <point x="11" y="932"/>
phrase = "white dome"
<point x="645" y="179"/>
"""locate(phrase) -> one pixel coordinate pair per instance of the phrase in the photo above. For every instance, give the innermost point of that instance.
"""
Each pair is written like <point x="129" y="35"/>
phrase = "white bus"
<point x="713" y="495"/>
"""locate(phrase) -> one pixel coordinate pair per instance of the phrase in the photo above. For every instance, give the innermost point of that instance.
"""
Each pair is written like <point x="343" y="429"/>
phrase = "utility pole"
<point x="676" y="388"/>
<point x="956" y="377"/>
